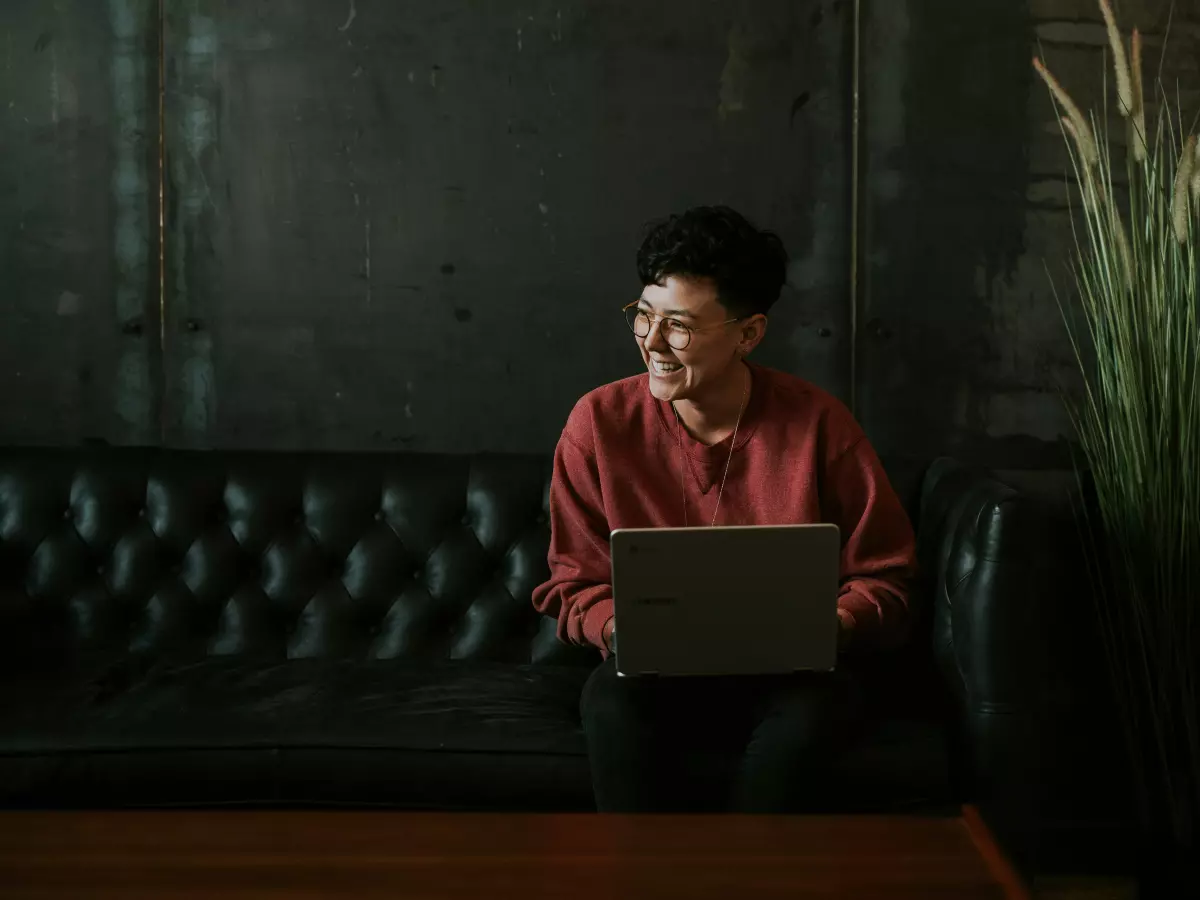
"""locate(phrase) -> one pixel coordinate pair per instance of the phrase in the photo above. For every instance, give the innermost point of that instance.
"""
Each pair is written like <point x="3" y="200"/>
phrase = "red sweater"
<point x="800" y="458"/>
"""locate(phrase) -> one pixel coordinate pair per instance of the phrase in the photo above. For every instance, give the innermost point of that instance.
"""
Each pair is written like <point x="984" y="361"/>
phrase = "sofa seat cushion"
<point x="446" y="736"/>
<point x="450" y="735"/>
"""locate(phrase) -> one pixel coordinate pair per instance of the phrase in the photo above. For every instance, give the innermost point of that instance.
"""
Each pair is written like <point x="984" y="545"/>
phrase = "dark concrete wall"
<point x="945" y="115"/>
<point x="411" y="225"/>
<point x="78" y="233"/>
<point x="962" y="347"/>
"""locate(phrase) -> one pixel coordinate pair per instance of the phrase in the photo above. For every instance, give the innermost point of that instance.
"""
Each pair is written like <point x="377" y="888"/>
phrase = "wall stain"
<point x="135" y="388"/>
<point x="350" y="17"/>
<point x="196" y="117"/>
<point x="731" y="95"/>
<point x="929" y="365"/>
<point x="798" y="104"/>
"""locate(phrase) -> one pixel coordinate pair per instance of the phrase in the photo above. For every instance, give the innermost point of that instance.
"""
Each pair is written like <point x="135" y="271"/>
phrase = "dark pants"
<point x="756" y="744"/>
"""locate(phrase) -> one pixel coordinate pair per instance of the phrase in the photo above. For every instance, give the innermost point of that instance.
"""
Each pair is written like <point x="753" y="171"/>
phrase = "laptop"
<point x="729" y="600"/>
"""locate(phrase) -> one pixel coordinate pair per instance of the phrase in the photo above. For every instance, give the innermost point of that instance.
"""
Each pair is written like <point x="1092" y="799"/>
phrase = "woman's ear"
<point x="754" y="329"/>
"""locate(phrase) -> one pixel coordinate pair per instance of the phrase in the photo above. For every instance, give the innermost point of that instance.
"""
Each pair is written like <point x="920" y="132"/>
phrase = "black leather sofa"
<point x="182" y="628"/>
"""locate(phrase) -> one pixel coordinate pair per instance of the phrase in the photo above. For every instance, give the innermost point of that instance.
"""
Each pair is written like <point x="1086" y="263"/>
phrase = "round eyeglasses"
<point x="676" y="334"/>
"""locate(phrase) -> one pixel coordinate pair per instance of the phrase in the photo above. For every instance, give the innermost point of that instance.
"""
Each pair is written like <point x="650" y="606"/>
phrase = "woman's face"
<point x="711" y="355"/>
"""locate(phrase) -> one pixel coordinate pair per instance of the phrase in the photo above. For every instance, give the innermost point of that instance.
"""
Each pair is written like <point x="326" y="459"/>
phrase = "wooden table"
<point x="325" y="854"/>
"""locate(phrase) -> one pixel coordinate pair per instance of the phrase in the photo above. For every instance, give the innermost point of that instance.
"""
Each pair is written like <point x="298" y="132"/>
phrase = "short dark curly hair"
<point x="747" y="265"/>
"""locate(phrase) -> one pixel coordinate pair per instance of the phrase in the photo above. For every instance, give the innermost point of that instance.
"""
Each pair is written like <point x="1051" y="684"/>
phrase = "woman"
<point x="704" y="437"/>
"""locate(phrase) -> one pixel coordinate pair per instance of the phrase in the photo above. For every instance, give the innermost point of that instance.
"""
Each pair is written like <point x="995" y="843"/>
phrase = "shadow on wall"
<point x="946" y="363"/>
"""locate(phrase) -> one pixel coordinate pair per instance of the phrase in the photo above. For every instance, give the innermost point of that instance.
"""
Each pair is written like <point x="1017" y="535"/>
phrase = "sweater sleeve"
<point x="878" y="547"/>
<point x="579" y="592"/>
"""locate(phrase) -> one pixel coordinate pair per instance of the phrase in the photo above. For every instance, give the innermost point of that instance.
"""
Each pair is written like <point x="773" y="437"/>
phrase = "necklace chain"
<point x="729" y="459"/>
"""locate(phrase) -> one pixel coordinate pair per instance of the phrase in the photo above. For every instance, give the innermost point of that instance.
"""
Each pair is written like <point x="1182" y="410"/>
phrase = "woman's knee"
<point x="817" y="716"/>
<point x="624" y="710"/>
<point x="603" y="701"/>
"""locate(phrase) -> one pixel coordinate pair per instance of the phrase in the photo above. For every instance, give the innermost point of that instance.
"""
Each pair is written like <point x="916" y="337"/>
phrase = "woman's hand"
<point x="609" y="633"/>
<point x="845" y="629"/>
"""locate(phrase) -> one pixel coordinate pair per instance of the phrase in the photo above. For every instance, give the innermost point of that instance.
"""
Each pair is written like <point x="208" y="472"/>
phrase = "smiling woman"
<point x="704" y="436"/>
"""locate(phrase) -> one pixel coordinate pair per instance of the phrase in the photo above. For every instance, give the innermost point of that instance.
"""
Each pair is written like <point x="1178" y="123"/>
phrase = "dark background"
<point x="410" y="226"/>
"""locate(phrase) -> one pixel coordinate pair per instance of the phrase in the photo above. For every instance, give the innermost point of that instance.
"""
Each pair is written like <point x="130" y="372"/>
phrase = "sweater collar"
<point x="706" y="455"/>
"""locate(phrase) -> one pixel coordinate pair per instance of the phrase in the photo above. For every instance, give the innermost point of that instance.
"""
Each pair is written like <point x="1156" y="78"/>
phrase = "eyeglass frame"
<point x="654" y="318"/>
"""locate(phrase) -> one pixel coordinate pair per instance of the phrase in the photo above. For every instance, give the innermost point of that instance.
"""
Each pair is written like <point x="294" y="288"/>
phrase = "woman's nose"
<point x="655" y="339"/>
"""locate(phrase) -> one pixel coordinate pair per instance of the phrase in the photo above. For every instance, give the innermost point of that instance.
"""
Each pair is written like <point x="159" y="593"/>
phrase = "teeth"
<point x="664" y="368"/>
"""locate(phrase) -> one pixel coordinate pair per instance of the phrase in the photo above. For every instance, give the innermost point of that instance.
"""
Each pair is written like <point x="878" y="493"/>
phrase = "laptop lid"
<point x="728" y="600"/>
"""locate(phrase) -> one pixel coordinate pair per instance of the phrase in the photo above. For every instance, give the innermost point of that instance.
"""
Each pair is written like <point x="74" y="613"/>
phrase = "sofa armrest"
<point x="984" y="551"/>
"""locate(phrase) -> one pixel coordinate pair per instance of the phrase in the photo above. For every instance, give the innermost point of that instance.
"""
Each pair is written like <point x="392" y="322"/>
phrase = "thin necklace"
<point x="732" y="443"/>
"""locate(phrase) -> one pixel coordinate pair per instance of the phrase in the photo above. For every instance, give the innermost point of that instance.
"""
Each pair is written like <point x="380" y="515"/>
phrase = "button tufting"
<point x="67" y="514"/>
<point x="379" y="516"/>
<point x="143" y="512"/>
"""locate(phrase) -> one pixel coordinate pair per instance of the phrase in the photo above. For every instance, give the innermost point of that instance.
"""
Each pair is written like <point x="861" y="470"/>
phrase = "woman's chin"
<point x="665" y="389"/>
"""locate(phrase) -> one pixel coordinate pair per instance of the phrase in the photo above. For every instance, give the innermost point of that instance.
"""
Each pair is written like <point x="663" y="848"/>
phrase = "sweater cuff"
<point x="594" y="621"/>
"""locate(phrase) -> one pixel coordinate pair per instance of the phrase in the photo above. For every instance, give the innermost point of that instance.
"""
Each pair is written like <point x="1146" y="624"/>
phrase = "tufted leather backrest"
<point x="176" y="554"/>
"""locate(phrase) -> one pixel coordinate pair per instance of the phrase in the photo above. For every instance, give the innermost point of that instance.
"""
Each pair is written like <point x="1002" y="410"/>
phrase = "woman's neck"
<point x="712" y="418"/>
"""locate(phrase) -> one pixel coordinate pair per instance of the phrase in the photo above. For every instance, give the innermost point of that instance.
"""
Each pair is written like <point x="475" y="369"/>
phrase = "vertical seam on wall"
<point x="856" y="64"/>
<point x="162" y="218"/>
